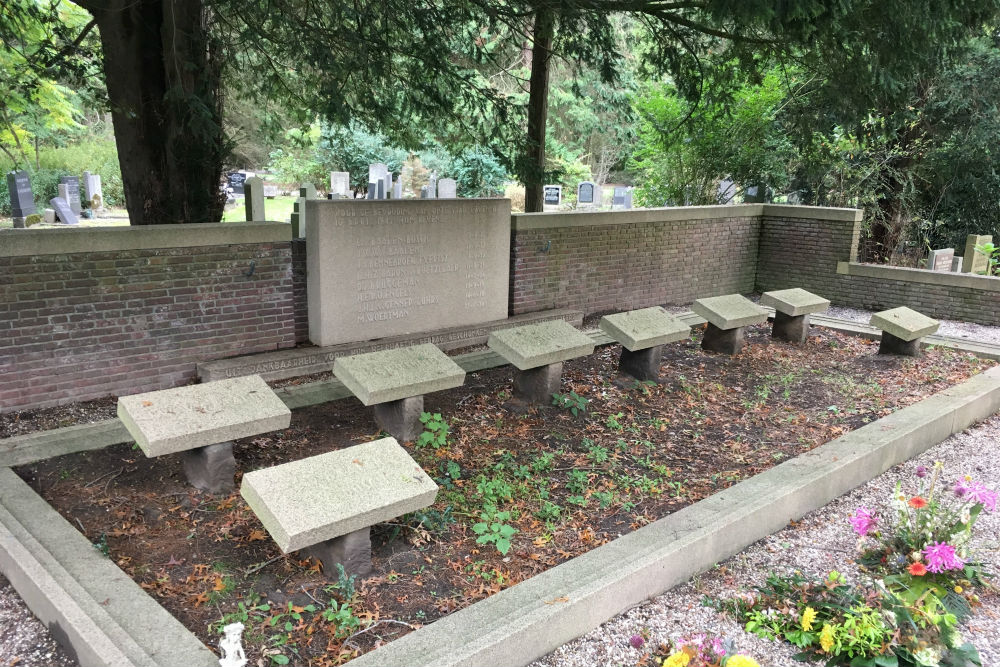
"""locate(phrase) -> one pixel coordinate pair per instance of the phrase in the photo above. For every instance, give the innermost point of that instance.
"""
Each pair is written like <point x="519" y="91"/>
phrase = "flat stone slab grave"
<point x="395" y="381"/>
<point x="642" y="334"/>
<point x="328" y="503"/>
<point x="201" y="421"/>
<point x="727" y="315"/>
<point x="792" y="308"/>
<point x="902" y="330"/>
<point x="537" y="352"/>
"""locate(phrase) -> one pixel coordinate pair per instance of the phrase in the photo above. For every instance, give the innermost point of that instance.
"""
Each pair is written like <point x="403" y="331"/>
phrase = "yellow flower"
<point x="741" y="661"/>
<point x="958" y="589"/>
<point x="826" y="637"/>
<point x="808" y="616"/>
<point x="677" y="660"/>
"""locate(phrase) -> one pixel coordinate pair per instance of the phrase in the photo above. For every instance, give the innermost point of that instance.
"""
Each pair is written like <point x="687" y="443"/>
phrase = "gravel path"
<point x="823" y="541"/>
<point x="24" y="641"/>
<point x="950" y="328"/>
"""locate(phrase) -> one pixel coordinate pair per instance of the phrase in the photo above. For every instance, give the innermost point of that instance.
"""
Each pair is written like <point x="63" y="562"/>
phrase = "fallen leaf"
<point x="555" y="600"/>
<point x="256" y="535"/>
<point x="146" y="404"/>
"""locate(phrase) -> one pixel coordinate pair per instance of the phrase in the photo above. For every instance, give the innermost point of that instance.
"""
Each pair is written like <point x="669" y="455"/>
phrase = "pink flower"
<point x="941" y="556"/>
<point x="636" y="641"/>
<point x="980" y="494"/>
<point x="961" y="489"/>
<point x="862" y="521"/>
<point x="921" y="471"/>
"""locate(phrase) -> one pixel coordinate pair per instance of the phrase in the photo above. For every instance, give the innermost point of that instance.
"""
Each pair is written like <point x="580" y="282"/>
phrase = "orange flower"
<point x="917" y="502"/>
<point x="917" y="569"/>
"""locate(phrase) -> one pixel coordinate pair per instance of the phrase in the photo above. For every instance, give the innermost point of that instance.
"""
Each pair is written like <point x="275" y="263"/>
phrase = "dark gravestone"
<point x="552" y="195"/>
<point x="63" y="211"/>
<point x="585" y="193"/>
<point x="22" y="200"/>
<point x="72" y="184"/>
<point x="619" y="197"/>
<point x="236" y="180"/>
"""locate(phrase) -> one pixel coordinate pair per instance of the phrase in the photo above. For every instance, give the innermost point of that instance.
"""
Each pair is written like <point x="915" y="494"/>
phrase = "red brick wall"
<point x="84" y="325"/>
<point x="613" y="267"/>
<point x="299" y="298"/>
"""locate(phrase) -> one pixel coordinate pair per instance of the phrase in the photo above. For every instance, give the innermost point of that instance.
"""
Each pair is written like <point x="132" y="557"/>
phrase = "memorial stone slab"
<point x="340" y="184"/>
<point x="618" y="196"/>
<point x="93" y="191"/>
<point x="972" y="261"/>
<point x="305" y="502"/>
<point x="956" y="264"/>
<point x="183" y="418"/>
<point x="585" y="192"/>
<point x="270" y="191"/>
<point x="425" y="192"/>
<point x="22" y="200"/>
<point x="392" y="375"/>
<point x="628" y="198"/>
<point x="63" y="211"/>
<point x="235" y="179"/>
<point x="380" y="269"/>
<point x="534" y="345"/>
<point x="552" y="195"/>
<point x="72" y="184"/>
<point x="941" y="260"/>
<point x="904" y="323"/>
<point x="640" y="329"/>
<point x="253" y="189"/>
<point x="397" y="189"/>
<point x="447" y="188"/>
<point x="730" y="311"/>
<point x="794" y="302"/>
<point x="49" y="216"/>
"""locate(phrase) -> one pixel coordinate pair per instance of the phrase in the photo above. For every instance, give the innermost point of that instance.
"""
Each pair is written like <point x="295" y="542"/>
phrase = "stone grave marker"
<point x="72" y="184"/>
<point x="254" y="199"/>
<point x="537" y="352"/>
<point x="447" y="188"/>
<point x="628" y="197"/>
<point x="551" y="196"/>
<point x="397" y="188"/>
<point x="235" y="179"/>
<point x="328" y="503"/>
<point x="22" y="200"/>
<point x="298" y="218"/>
<point x="49" y="216"/>
<point x="642" y="334"/>
<point x="270" y="191"/>
<point x="972" y="261"/>
<point x="727" y="316"/>
<point x="63" y="212"/>
<point x="940" y="260"/>
<point x="432" y="186"/>
<point x="307" y="191"/>
<point x="201" y="421"/>
<point x="902" y="330"/>
<point x="92" y="190"/>
<point x="618" y="196"/>
<point x="792" y="308"/>
<point x="395" y="381"/>
<point x="425" y="192"/>
<point x="340" y="184"/>
<point x="378" y="181"/>
<point x="956" y="264"/>
<point x="586" y="194"/>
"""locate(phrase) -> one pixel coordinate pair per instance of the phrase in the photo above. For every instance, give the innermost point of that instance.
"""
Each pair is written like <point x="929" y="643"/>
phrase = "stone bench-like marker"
<point x="902" y="329"/>
<point x="537" y="352"/>
<point x="200" y="421"/>
<point x="328" y="503"/>
<point x="791" y="312"/>
<point x="727" y="315"/>
<point x="642" y="334"/>
<point x="394" y="382"/>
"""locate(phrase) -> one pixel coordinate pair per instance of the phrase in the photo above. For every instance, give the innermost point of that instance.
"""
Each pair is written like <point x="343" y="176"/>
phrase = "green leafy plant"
<point x="614" y="422"/>
<point x="571" y="401"/>
<point x="992" y="253"/>
<point x="494" y="529"/>
<point x="435" y="430"/>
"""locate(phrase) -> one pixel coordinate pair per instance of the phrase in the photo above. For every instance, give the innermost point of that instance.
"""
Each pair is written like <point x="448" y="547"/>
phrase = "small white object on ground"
<point x="231" y="646"/>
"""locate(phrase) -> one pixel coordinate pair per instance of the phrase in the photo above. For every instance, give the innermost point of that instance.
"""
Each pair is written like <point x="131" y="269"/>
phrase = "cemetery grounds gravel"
<point x="637" y="452"/>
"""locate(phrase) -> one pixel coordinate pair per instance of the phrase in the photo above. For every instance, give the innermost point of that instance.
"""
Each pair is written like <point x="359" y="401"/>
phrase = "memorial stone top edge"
<point x="644" y="328"/>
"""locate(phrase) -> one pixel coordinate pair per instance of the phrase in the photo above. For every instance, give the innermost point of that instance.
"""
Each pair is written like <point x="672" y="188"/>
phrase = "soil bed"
<point x="636" y="452"/>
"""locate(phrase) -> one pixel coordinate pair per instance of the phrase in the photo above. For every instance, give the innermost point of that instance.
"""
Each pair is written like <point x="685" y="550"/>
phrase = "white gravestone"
<point x="447" y="188"/>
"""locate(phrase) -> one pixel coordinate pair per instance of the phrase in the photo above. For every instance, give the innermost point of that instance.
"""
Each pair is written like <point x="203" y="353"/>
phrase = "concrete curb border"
<point x="531" y="619"/>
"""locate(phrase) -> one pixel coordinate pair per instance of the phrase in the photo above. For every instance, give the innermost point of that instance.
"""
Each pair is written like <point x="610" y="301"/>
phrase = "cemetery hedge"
<point x="609" y="456"/>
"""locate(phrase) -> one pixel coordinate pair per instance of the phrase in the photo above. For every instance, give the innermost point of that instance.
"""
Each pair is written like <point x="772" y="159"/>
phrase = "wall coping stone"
<point x="925" y="276"/>
<point x="49" y="241"/>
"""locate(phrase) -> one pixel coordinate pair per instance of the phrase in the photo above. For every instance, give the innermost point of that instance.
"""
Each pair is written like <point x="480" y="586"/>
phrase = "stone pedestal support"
<point x="400" y="418"/>
<point x="791" y="328"/>
<point x="210" y="468"/>
<point x="642" y="364"/>
<point x="726" y="341"/>
<point x="353" y="551"/>
<point x="894" y="345"/>
<point x="536" y="385"/>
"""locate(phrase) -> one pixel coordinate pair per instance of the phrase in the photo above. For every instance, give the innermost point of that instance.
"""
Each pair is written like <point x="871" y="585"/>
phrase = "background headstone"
<point x="618" y="199"/>
<point x="307" y="190"/>
<point x="956" y="264"/>
<point x="236" y="179"/>
<point x="447" y="188"/>
<point x="585" y="194"/>
<point x="63" y="211"/>
<point x="628" y="197"/>
<point x="425" y="192"/>
<point x="254" y="190"/>
<point x="552" y="196"/>
<point x="378" y="176"/>
<point x="22" y="200"/>
<point x="92" y="190"/>
<point x="972" y="261"/>
<point x="72" y="184"/>
<point x="270" y="191"/>
<point x="727" y="191"/>
<point x="340" y="184"/>
<point x="49" y="216"/>
<point x="940" y="260"/>
<point x="397" y="189"/>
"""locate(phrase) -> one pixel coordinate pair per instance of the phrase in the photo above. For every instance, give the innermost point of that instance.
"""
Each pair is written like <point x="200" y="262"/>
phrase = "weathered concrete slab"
<point x="390" y="375"/>
<point x="321" y="497"/>
<point x="904" y="323"/>
<point x="648" y="327"/>
<point x="794" y="302"/>
<point x="535" y="345"/>
<point x="175" y="420"/>
<point x="308" y="360"/>
<point x="729" y="311"/>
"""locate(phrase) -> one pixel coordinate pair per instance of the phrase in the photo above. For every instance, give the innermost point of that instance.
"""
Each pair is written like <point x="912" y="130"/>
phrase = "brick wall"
<point x="77" y="325"/>
<point x="821" y="256"/>
<point x="603" y="262"/>
<point x="300" y="301"/>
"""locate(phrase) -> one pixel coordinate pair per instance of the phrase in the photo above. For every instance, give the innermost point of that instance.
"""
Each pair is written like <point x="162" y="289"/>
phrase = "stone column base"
<point x="353" y="551"/>
<point x="210" y="468"/>
<point x="726" y="341"/>
<point x="400" y="419"/>
<point x="642" y="364"/>
<point x="536" y="385"/>
<point x="791" y="328"/>
<point x="894" y="345"/>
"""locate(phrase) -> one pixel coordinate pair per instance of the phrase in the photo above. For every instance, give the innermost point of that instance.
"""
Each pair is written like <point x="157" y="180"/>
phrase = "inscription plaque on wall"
<point x="385" y="268"/>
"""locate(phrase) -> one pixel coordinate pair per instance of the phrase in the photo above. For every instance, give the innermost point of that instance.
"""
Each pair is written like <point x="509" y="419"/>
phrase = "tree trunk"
<point x="533" y="162"/>
<point x="163" y="80"/>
